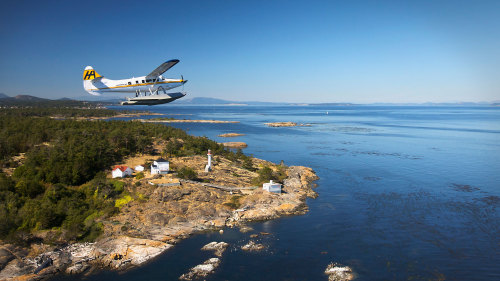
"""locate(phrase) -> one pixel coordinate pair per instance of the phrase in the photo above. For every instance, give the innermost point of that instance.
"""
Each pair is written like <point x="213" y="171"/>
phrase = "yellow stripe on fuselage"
<point x="142" y="84"/>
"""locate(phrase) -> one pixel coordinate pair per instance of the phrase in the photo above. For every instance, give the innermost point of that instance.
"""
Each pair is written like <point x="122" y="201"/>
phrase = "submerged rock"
<point x="252" y="246"/>
<point x="219" y="248"/>
<point x="337" y="272"/>
<point x="201" y="270"/>
<point x="245" y="229"/>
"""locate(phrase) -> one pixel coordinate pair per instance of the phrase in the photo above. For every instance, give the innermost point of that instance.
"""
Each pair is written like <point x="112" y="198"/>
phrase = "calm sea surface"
<point x="406" y="193"/>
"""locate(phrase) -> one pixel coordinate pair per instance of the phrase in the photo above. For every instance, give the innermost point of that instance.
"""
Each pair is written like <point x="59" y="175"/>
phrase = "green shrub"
<point x="234" y="202"/>
<point x="187" y="173"/>
<point x="264" y="175"/>
<point x="93" y="232"/>
<point x="119" y="186"/>
<point x="248" y="164"/>
<point x="123" y="201"/>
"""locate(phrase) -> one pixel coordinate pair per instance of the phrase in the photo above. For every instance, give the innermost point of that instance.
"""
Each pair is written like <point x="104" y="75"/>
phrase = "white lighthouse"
<point x="208" y="167"/>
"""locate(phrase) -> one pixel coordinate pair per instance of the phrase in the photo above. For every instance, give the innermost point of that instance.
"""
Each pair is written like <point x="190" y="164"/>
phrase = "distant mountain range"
<point x="215" y="101"/>
<point x="201" y="100"/>
<point x="27" y="100"/>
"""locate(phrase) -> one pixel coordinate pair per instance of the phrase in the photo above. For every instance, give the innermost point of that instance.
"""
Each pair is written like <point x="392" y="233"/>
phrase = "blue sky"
<point x="290" y="51"/>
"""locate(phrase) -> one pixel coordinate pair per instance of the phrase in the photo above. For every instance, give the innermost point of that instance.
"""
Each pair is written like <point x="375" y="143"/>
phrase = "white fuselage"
<point x="131" y="85"/>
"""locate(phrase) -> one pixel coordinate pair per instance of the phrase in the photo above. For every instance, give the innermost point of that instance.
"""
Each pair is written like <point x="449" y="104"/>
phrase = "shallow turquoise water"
<point x="405" y="193"/>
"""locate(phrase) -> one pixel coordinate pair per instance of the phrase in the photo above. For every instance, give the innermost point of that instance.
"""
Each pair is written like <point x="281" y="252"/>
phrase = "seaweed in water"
<point x="464" y="187"/>
<point x="491" y="200"/>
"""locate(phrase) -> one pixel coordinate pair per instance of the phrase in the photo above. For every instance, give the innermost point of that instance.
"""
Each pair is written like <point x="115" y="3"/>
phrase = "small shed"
<point x="160" y="166"/>
<point x="272" y="187"/>
<point x="121" y="171"/>
<point x="139" y="168"/>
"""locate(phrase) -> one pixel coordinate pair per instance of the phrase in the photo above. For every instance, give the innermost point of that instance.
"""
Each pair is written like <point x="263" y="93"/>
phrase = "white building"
<point x="139" y="168"/>
<point x="160" y="166"/>
<point x="121" y="171"/>
<point x="272" y="187"/>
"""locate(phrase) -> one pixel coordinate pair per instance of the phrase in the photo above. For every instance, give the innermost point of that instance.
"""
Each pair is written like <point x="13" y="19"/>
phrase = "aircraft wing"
<point x="162" y="68"/>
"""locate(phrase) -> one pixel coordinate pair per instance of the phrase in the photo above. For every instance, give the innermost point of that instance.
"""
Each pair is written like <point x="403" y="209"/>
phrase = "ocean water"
<point x="405" y="193"/>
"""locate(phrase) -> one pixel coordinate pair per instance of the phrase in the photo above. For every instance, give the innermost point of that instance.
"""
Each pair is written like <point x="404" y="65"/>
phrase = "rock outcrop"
<point x="337" y="272"/>
<point x="119" y="251"/>
<point x="252" y="246"/>
<point x="201" y="270"/>
<point x="218" y="248"/>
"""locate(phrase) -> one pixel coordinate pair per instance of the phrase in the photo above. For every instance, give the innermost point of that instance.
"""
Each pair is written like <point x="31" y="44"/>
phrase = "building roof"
<point x="161" y="160"/>
<point x="122" y="168"/>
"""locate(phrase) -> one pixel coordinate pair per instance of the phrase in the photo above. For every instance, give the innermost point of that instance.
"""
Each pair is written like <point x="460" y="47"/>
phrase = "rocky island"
<point x="281" y="124"/>
<point x="230" y="135"/>
<point x="286" y="124"/>
<point x="235" y="144"/>
<point x="150" y="212"/>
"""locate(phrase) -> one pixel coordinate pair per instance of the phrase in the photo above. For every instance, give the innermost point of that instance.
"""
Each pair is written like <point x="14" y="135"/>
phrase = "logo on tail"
<point x="89" y="73"/>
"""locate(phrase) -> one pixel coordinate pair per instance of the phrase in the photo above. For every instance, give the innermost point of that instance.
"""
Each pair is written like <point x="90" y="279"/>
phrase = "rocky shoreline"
<point x="120" y="115"/>
<point x="185" y="121"/>
<point x="143" y="230"/>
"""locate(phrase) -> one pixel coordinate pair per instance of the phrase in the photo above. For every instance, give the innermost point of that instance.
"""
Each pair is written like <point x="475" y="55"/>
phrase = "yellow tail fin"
<point x="89" y="73"/>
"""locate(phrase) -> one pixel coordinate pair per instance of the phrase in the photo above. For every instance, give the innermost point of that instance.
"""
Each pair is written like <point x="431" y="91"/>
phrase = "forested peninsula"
<point x="62" y="211"/>
<point x="59" y="180"/>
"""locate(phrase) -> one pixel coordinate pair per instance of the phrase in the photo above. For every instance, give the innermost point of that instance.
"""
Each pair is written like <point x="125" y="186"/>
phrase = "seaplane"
<point x="149" y="90"/>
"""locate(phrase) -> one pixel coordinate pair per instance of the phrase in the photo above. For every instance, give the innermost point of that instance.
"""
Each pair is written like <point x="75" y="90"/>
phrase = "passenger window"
<point x="136" y="82"/>
<point x="130" y="83"/>
<point x="142" y="81"/>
